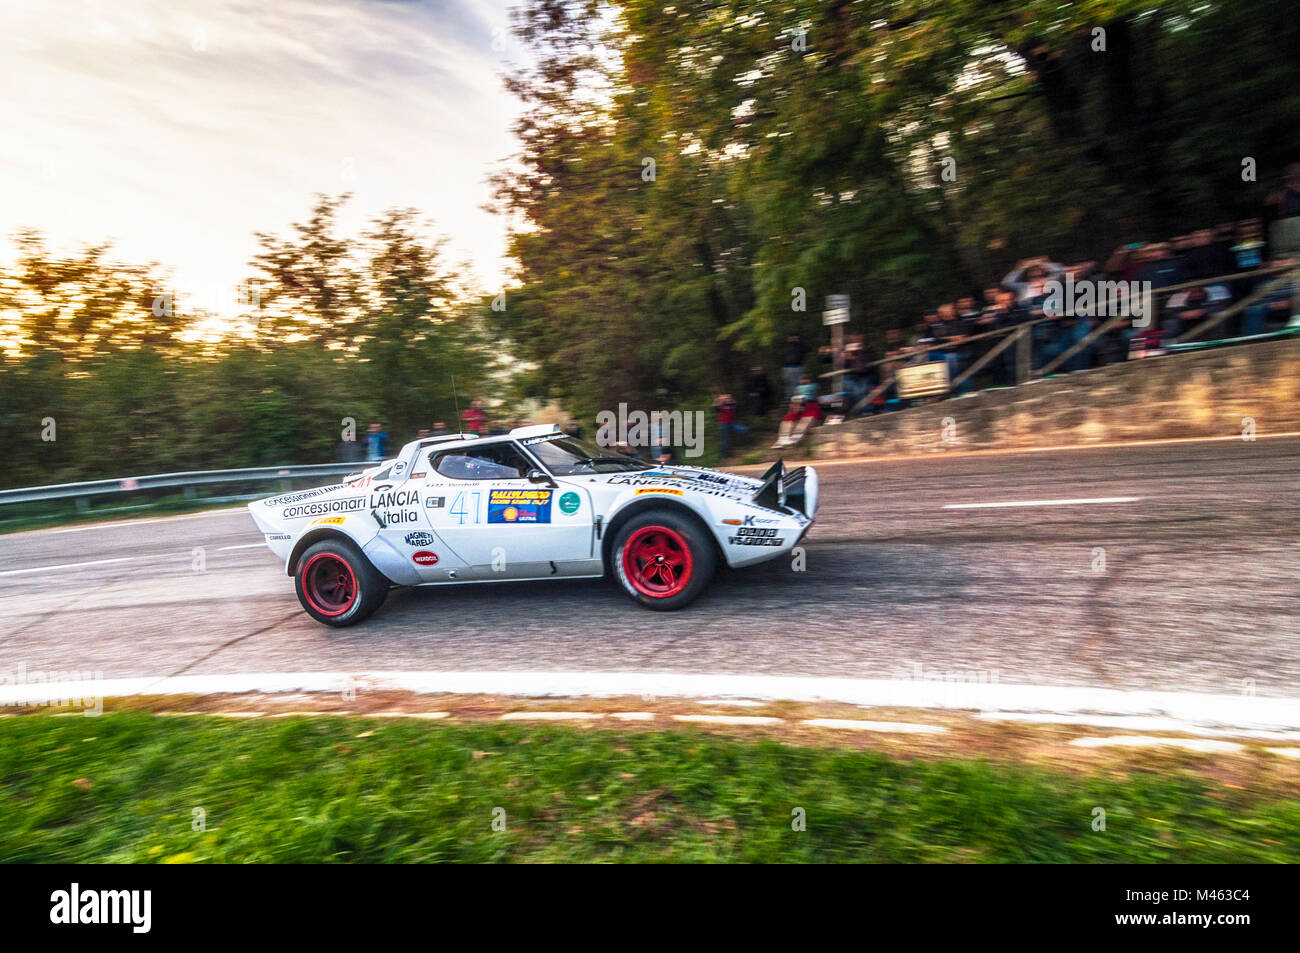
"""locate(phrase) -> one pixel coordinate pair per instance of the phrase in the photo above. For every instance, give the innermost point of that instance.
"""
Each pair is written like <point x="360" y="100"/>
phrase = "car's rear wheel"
<point x="336" y="584"/>
<point x="662" y="559"/>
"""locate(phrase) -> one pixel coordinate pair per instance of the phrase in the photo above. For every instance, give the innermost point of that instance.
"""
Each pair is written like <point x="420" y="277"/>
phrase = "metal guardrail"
<point x="187" y="481"/>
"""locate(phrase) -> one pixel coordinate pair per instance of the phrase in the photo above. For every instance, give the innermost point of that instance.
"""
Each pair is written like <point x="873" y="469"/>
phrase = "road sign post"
<point x="835" y="317"/>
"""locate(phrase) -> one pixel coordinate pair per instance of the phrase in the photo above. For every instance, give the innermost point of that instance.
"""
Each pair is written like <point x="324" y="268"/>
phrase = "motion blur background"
<point x="662" y="179"/>
<point x="229" y="228"/>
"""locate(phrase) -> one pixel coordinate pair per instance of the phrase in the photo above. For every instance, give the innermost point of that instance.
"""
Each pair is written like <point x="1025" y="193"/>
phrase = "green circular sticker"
<point x="570" y="502"/>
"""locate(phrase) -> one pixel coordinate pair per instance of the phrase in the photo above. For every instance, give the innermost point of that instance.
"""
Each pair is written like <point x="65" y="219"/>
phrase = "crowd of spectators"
<point x="1065" y="302"/>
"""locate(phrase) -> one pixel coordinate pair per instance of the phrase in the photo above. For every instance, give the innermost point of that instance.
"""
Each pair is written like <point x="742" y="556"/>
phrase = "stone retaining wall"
<point x="1211" y="393"/>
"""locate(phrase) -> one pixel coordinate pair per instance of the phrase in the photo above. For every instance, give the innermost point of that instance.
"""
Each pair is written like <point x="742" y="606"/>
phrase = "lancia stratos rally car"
<point x="532" y="504"/>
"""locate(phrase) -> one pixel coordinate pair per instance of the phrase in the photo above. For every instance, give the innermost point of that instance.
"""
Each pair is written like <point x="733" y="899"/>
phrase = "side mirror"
<point x="540" y="476"/>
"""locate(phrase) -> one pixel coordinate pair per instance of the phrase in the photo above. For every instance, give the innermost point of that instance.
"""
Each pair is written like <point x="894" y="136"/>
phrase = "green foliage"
<point x="796" y="144"/>
<point x="803" y="144"/>
<point x="369" y="328"/>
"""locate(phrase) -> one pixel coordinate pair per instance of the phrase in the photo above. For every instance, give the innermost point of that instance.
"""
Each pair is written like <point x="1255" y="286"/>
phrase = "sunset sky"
<point x="177" y="129"/>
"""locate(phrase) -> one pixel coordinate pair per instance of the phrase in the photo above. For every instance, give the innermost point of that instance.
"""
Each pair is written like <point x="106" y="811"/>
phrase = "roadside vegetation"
<point x="671" y="228"/>
<point x="136" y="787"/>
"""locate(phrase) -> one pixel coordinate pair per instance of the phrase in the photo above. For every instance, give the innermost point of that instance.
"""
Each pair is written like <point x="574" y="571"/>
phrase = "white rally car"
<point x="532" y="504"/>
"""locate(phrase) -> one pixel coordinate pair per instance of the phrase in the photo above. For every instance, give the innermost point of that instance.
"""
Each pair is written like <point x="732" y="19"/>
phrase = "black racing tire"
<point x="336" y="584"/>
<point x="662" y="559"/>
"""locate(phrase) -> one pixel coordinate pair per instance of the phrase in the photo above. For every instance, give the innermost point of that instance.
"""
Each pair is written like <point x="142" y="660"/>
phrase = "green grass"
<point x="124" y="786"/>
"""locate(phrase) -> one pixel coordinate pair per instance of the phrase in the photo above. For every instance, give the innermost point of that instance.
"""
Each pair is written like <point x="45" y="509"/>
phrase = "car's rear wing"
<point x="795" y="490"/>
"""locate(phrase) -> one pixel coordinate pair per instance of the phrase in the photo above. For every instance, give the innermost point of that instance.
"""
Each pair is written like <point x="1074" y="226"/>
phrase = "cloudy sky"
<point x="178" y="127"/>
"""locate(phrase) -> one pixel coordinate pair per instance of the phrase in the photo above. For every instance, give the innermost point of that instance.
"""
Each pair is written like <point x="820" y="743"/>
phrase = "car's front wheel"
<point x="662" y="559"/>
<point x="336" y="584"/>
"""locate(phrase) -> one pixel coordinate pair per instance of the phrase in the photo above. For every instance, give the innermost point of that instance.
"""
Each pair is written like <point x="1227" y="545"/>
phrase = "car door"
<point x="399" y="504"/>
<point x="498" y="522"/>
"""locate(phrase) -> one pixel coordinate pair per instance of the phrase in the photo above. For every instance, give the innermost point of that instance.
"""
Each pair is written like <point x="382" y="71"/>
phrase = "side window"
<point x="497" y="461"/>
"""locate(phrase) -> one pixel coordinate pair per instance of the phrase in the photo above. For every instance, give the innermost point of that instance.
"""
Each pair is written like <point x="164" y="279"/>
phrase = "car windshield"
<point x="565" y="456"/>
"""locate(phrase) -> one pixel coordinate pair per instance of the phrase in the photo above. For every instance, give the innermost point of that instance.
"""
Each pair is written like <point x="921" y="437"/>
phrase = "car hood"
<point x="695" y="479"/>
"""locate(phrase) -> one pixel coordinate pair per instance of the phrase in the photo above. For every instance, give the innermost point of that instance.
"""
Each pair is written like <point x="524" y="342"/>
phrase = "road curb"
<point x="1192" y="709"/>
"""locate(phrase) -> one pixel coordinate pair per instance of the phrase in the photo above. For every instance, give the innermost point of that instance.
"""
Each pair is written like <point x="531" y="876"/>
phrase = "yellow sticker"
<point x="328" y="521"/>
<point x="659" y="489"/>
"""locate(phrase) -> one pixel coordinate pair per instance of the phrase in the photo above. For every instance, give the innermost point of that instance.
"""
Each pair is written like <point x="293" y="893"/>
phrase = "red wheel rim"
<point x="657" y="561"/>
<point x="329" y="584"/>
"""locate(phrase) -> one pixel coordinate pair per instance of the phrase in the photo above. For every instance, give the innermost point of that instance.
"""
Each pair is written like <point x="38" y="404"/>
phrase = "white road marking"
<point x="93" y="562"/>
<point x="121" y="559"/>
<point x="1150" y="741"/>
<point x="1012" y="503"/>
<point x="1137" y="723"/>
<point x="634" y="715"/>
<point x="550" y="716"/>
<point x="902" y="727"/>
<point x="728" y="719"/>
<point x="1285" y="752"/>
<point x="111" y="524"/>
<point x="1193" y="708"/>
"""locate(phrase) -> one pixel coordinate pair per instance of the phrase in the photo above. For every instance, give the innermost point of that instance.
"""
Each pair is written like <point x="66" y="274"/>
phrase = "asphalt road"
<point x="1193" y="586"/>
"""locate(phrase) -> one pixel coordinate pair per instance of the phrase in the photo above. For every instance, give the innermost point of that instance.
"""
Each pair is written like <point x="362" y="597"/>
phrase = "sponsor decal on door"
<point x="519" y="506"/>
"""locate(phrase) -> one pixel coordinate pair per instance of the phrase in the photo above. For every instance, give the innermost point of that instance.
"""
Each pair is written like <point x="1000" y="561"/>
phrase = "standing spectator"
<point x="1284" y="201"/>
<point x="1079" y="321"/>
<point x="439" y="429"/>
<point x="661" y="437"/>
<point x="859" y="377"/>
<point x="758" y="391"/>
<point x="1125" y="263"/>
<point x="349" y="451"/>
<point x="1001" y="311"/>
<point x="729" y="423"/>
<point x="792" y="362"/>
<point x="1248" y="252"/>
<point x="474" y="419"/>
<point x="965" y="323"/>
<point x="376" y="441"/>
<point x="1045" y="334"/>
<point x="1029" y="276"/>
<point x="1162" y="267"/>
<point x="1274" y="309"/>
<point x="1247" y="255"/>
<point x="1185" y="309"/>
<point x="1207" y="258"/>
<point x="943" y="328"/>
<point x="990" y="315"/>
<point x="573" y="427"/>
<point x="967" y="317"/>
